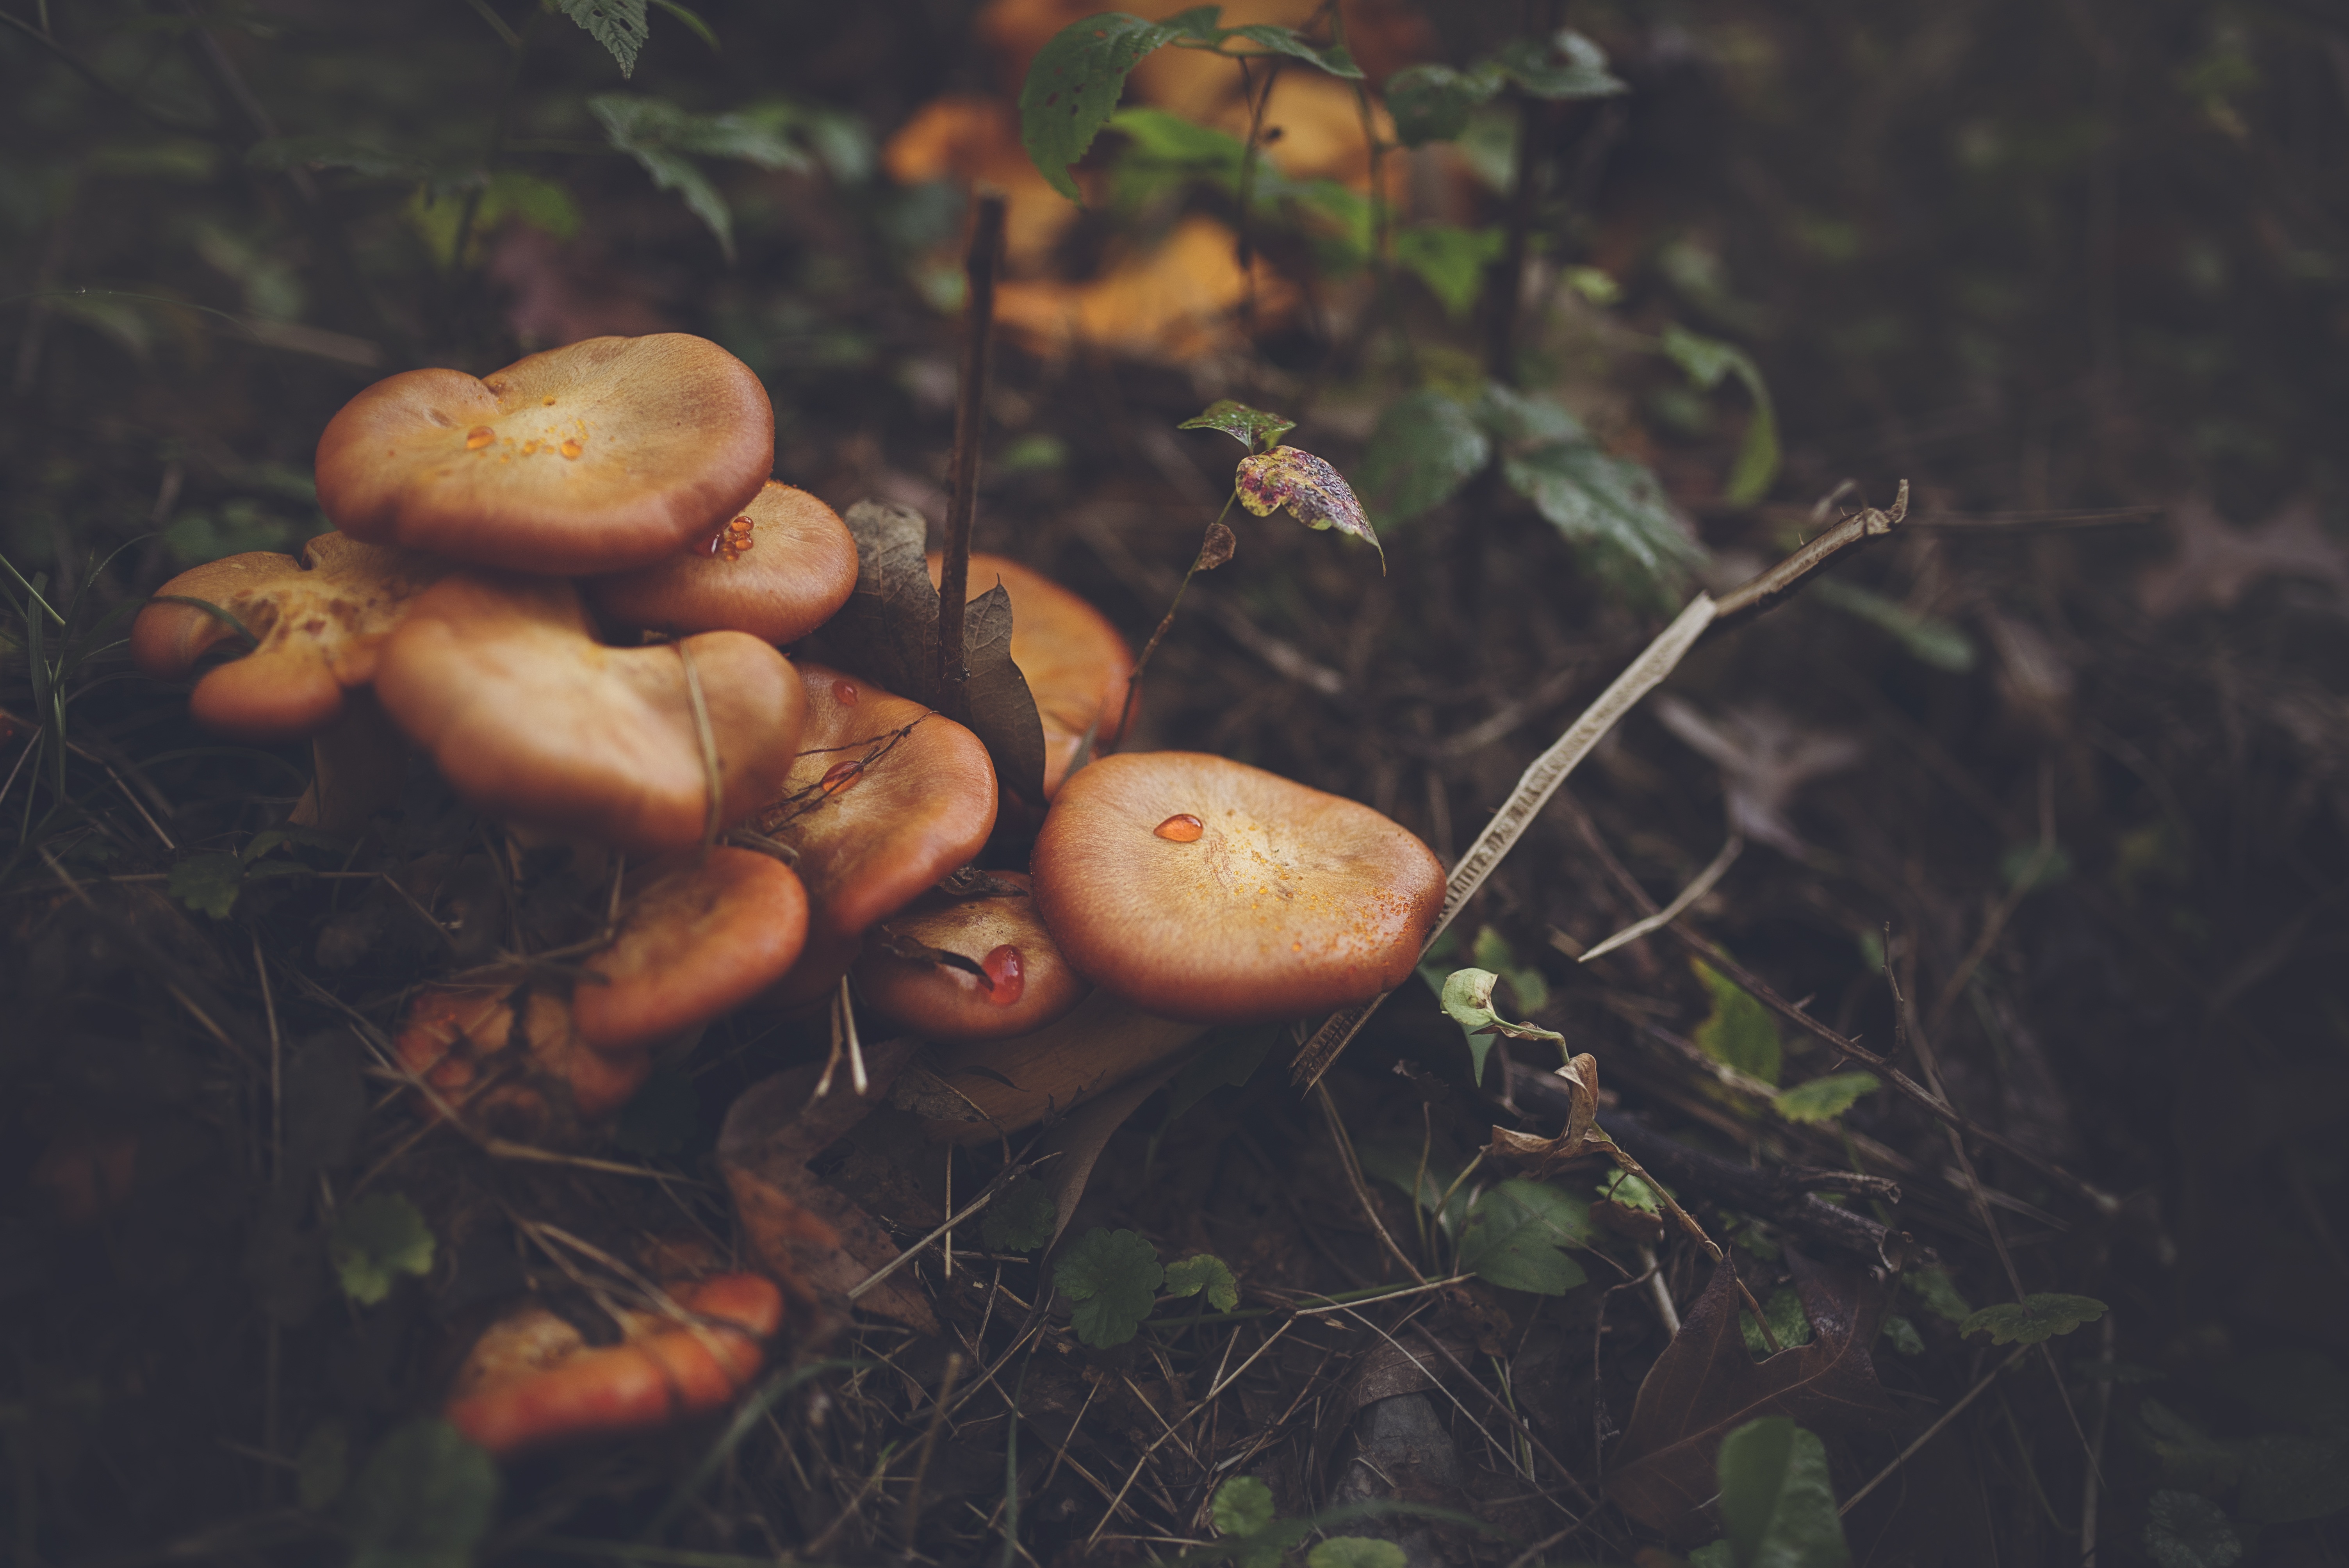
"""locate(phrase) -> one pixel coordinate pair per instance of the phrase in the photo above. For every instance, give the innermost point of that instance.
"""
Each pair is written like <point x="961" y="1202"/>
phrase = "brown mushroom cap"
<point x="533" y="1381"/>
<point x="497" y="1072"/>
<point x="532" y="721"/>
<point x="321" y="621"/>
<point x="1033" y="984"/>
<point x="778" y="579"/>
<point x="885" y="798"/>
<point x="609" y="453"/>
<point x="1076" y="663"/>
<point x="700" y="937"/>
<point x="1278" y="900"/>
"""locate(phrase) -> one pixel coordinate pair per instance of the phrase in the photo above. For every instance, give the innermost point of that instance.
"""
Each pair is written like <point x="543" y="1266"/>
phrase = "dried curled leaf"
<point x="1220" y="545"/>
<point x="1546" y="1154"/>
<point x="1315" y="494"/>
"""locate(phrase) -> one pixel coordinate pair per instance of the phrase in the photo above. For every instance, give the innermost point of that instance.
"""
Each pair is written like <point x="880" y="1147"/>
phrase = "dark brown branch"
<point x="970" y="406"/>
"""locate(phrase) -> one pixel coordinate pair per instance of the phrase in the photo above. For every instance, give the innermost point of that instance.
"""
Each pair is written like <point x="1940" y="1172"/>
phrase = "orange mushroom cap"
<point x="608" y="453"/>
<point x="885" y="798"/>
<point x="1202" y="888"/>
<point x="778" y="571"/>
<point x="1076" y="663"/>
<point x="502" y="1073"/>
<point x="321" y="621"/>
<point x="532" y="721"/>
<point x="703" y="935"/>
<point x="532" y="1382"/>
<point x="1031" y="983"/>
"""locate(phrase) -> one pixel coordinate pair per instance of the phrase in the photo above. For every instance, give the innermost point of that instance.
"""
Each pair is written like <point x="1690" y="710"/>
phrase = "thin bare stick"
<point x="1508" y="1415"/>
<point x="1354" y="1177"/>
<point x="1930" y="1433"/>
<point x="980" y="266"/>
<point x="1215" y="549"/>
<point x="1743" y="603"/>
<point x="713" y="811"/>
<point x="987" y="1195"/>
<point x="1672" y="911"/>
<point x="911" y="1515"/>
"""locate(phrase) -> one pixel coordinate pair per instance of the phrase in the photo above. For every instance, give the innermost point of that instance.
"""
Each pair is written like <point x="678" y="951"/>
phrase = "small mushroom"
<point x="534" y="722"/>
<point x="605" y="454"/>
<point x="533" y="1381"/>
<point x="318" y="623"/>
<point x="506" y="1060"/>
<point x="1204" y="889"/>
<point x="1024" y="985"/>
<point x="885" y="798"/>
<point x="1077" y="665"/>
<point x="778" y="571"/>
<point x="703" y="935"/>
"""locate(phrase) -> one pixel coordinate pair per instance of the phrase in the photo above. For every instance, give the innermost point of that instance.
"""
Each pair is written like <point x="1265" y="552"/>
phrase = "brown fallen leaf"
<point x="811" y="1240"/>
<point x="2215" y="563"/>
<point x="1707" y="1384"/>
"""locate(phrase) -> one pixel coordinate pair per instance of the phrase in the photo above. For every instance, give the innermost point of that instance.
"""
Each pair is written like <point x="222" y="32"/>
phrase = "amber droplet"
<point x="844" y="692"/>
<point x="1003" y="967"/>
<point x="480" y="436"/>
<point x="1181" y="828"/>
<point x="528" y="447"/>
<point x="839" y="777"/>
<point x="547" y="401"/>
<point x="572" y="448"/>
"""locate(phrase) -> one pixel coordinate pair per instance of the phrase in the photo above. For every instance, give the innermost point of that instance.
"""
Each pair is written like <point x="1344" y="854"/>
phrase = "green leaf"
<point x="376" y="1239"/>
<point x="1517" y="419"/>
<point x="1433" y="102"/>
<point x="277" y="154"/>
<point x="618" y="25"/>
<point x="1314" y="494"/>
<point x="1934" y="1289"/>
<point x="1904" y="1335"/>
<point x="436" y="211"/>
<point x="1075" y="83"/>
<point x="323" y="1467"/>
<point x="1707" y="360"/>
<point x="1243" y="1506"/>
<point x="1468" y="999"/>
<point x="1565" y="66"/>
<point x="1112" y="1276"/>
<point x="1928" y="639"/>
<point x="1517" y="1235"/>
<point x="207" y="883"/>
<point x="1330" y="58"/>
<point x="660" y="135"/>
<point x="1449" y="260"/>
<point x="1714" y="1554"/>
<point x="1787" y="1320"/>
<point x="1739" y="1033"/>
<point x="424" y="1501"/>
<point x="1396" y="1161"/>
<point x="1622" y="1187"/>
<point x="1609" y="507"/>
<point x="1021" y="1219"/>
<point x="1356" y="1552"/>
<point x="1251" y="428"/>
<point x="693" y="24"/>
<point x="1424" y="447"/>
<point x="2043" y="1315"/>
<point x="1823" y="1099"/>
<point x="1776" y="1503"/>
<point x="2288" y="1477"/>
<point x="1189" y="1277"/>
<point x="2183" y="1529"/>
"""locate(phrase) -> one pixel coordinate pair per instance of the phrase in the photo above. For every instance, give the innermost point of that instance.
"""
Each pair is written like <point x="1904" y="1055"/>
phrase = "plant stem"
<point x="1166" y="621"/>
<point x="986" y="258"/>
<point x="1246" y="251"/>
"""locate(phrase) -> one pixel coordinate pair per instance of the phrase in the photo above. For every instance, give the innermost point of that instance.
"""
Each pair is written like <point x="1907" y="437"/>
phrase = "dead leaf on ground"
<point x="1707" y="1384"/>
<point x="1765" y="758"/>
<point x="2215" y="564"/>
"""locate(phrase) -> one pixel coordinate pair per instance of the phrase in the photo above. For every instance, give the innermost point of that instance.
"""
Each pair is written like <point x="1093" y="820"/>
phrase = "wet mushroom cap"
<point x="701" y="937"/>
<point x="320" y="622"/>
<point x="1033" y="984"/>
<point x="1076" y="663"/>
<point x="609" y="453"/>
<point x="531" y="1381"/>
<point x="885" y="798"/>
<point x="534" y="722"/>
<point x="1204" y="889"/>
<point x="777" y="570"/>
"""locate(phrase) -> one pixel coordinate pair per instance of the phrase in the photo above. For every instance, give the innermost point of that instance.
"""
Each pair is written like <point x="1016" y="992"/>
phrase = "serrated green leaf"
<point x="1904" y="1335"/>
<point x="1313" y="492"/>
<point x="1022" y="1218"/>
<point x="618" y="25"/>
<point x="1424" y="447"/>
<point x="376" y="1239"/>
<point x="1824" y="1098"/>
<point x="1609" y="507"/>
<point x="1787" y="1320"/>
<point x="1938" y="1294"/>
<point x="1076" y="81"/>
<point x="1243" y="1506"/>
<point x="2184" y="1529"/>
<point x="2041" y="1315"/>
<point x="1740" y="1032"/>
<point x="1356" y="1552"/>
<point x="1451" y="261"/>
<point x="1189" y="1277"/>
<point x="1516" y="1235"/>
<point x="1564" y="65"/>
<point x="207" y="883"/>
<point x="1622" y="1187"/>
<point x="662" y="137"/>
<point x="1777" y="1505"/>
<point x="1330" y="58"/>
<point x="424" y="1499"/>
<point x="1112" y="1277"/>
<point x="1433" y="102"/>
<point x="1251" y="428"/>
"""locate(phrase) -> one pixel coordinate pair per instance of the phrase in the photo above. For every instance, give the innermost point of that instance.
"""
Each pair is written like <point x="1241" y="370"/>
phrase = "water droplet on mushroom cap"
<point x="1181" y="828"/>
<point x="572" y="448"/>
<point x="1004" y="968"/>
<point x="480" y="436"/>
<point x="844" y="692"/>
<point x="839" y="777"/>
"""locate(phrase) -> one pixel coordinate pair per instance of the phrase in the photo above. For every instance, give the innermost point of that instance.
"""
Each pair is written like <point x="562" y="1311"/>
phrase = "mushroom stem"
<point x="359" y="764"/>
<point x="1215" y="549"/>
<point x="981" y="265"/>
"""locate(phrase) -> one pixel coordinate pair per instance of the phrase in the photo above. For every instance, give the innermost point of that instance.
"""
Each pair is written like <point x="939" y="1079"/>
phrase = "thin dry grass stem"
<point x="1116" y="1502"/>
<point x="1354" y="1179"/>
<point x="910" y="1516"/>
<point x="713" y="784"/>
<point x="1682" y="901"/>
<point x="844" y="1043"/>
<point x="1514" y="1420"/>
<point x="987" y="1195"/>
<point x="1127" y="1378"/>
<point x="1930" y="1433"/>
<point x="155" y="955"/>
<point x="1465" y="1413"/>
<point x="1995" y="925"/>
